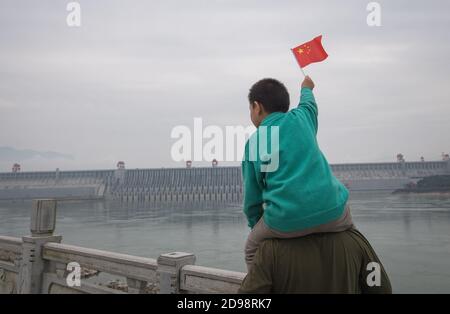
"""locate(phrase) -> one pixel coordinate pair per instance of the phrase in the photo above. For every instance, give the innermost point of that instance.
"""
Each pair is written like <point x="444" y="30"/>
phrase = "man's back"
<point x="318" y="263"/>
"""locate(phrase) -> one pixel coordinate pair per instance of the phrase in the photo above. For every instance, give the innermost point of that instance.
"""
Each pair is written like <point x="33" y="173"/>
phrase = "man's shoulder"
<point x="274" y="245"/>
<point x="350" y="236"/>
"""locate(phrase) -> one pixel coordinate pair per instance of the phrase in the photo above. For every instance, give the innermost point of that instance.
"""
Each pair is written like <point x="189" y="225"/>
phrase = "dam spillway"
<point x="197" y="185"/>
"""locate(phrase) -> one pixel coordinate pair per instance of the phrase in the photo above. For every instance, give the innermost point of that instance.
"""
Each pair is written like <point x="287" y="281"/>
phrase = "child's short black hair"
<point x="271" y="94"/>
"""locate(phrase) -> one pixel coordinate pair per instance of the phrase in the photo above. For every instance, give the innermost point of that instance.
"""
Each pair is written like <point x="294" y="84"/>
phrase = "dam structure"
<point x="202" y="185"/>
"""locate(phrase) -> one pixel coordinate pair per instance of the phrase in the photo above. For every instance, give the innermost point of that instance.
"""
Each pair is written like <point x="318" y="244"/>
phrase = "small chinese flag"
<point x="310" y="52"/>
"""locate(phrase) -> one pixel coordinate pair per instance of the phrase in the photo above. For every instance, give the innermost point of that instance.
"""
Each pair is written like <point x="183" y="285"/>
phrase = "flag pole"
<point x="303" y="72"/>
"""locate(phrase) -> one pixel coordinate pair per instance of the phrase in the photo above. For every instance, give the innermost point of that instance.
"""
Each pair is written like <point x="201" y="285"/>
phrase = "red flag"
<point x="310" y="52"/>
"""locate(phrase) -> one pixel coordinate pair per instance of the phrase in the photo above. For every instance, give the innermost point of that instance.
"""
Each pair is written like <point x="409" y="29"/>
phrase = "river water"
<point x="410" y="233"/>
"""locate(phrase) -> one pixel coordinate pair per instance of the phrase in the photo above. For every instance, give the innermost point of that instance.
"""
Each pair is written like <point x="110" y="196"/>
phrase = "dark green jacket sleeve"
<point x="373" y="277"/>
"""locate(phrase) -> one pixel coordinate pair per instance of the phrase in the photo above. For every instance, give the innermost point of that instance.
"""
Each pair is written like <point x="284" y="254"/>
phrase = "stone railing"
<point x="10" y="256"/>
<point x="40" y="263"/>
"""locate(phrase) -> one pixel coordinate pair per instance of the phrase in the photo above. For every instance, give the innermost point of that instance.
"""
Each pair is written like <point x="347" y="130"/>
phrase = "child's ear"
<point x="257" y="106"/>
<point x="261" y="110"/>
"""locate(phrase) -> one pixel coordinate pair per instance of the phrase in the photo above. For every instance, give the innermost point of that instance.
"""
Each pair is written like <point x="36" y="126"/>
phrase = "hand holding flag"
<point x="310" y="52"/>
<point x="308" y="83"/>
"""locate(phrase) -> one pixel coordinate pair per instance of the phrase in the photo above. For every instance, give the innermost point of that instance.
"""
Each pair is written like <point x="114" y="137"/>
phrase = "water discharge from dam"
<point x="409" y="232"/>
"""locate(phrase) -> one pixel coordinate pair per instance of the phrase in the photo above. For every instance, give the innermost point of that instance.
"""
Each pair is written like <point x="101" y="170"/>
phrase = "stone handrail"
<point x="138" y="271"/>
<point x="201" y="279"/>
<point x="39" y="263"/>
<point x="10" y="255"/>
<point x="12" y="244"/>
<point x="10" y="250"/>
<point x="114" y="263"/>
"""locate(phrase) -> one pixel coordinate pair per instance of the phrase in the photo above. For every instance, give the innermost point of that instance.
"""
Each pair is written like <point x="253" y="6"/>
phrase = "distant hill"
<point x="438" y="183"/>
<point x="11" y="154"/>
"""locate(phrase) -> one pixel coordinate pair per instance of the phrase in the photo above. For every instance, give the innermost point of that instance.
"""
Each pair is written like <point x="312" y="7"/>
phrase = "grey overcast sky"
<point x="114" y="88"/>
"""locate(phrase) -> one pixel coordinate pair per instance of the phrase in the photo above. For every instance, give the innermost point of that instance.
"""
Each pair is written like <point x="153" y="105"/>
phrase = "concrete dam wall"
<point x="196" y="185"/>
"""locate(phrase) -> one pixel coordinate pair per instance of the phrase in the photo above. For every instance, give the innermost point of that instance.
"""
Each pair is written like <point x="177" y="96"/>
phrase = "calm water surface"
<point x="410" y="233"/>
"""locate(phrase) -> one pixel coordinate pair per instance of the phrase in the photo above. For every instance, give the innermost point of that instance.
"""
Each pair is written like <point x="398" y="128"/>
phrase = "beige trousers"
<point x="261" y="232"/>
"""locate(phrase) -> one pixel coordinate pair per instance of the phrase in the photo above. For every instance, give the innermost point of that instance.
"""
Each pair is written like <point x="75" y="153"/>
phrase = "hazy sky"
<point x="114" y="88"/>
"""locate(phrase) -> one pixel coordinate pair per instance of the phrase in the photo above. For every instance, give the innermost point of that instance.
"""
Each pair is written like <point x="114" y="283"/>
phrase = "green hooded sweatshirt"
<point x="290" y="184"/>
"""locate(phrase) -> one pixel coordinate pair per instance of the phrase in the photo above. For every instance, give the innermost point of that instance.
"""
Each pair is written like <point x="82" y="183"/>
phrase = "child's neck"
<point x="263" y="116"/>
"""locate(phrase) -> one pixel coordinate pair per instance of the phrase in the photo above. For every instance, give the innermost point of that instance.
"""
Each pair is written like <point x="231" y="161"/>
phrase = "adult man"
<point x="338" y="262"/>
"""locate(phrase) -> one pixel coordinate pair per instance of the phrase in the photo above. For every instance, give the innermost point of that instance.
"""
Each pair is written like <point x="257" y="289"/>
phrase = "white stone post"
<point x="168" y="271"/>
<point x="32" y="266"/>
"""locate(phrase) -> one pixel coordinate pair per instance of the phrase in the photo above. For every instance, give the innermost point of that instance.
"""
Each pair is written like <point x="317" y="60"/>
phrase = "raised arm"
<point x="308" y="102"/>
